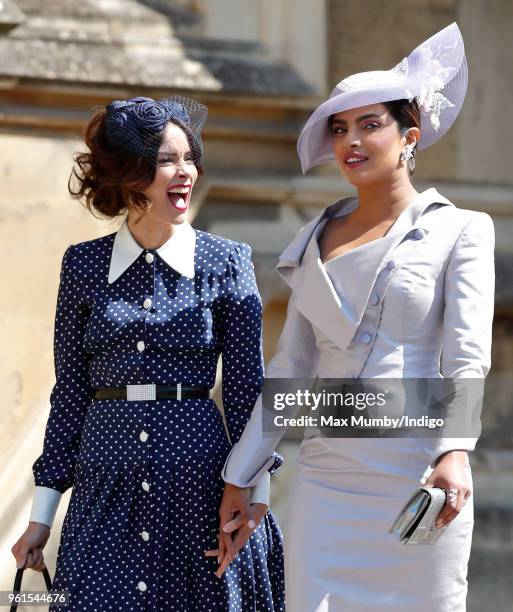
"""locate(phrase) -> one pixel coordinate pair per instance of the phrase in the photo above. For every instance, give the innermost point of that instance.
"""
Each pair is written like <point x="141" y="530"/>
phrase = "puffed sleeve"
<point x="54" y="469"/>
<point x="468" y="315"/>
<point x="242" y="360"/>
<point x="296" y="356"/>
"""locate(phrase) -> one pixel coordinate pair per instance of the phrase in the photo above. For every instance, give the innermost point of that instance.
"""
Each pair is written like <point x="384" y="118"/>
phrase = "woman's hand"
<point x="238" y="520"/>
<point x="28" y="550"/>
<point x="452" y="471"/>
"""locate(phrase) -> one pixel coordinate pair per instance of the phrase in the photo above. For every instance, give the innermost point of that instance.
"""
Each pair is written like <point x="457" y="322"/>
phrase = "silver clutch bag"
<point x="416" y="523"/>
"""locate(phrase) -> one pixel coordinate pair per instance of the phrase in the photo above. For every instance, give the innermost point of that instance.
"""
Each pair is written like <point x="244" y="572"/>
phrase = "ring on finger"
<point x="451" y="494"/>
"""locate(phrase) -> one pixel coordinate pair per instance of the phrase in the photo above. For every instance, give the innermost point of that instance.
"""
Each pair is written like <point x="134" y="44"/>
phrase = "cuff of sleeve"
<point x="44" y="505"/>
<point x="251" y="482"/>
<point x="260" y="493"/>
<point x="448" y="444"/>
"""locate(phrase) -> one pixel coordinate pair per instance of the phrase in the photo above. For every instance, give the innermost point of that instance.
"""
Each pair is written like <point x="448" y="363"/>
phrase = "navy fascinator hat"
<point x="135" y="126"/>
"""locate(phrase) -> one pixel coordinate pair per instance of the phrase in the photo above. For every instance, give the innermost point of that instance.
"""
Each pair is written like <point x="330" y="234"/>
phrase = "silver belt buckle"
<point x="141" y="393"/>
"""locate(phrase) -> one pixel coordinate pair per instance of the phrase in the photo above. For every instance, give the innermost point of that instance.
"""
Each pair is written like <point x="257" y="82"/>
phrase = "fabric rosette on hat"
<point x="136" y="125"/>
<point x="434" y="74"/>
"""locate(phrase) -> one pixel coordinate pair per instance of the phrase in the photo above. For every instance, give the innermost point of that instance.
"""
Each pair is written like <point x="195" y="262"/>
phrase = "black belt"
<point x="149" y="392"/>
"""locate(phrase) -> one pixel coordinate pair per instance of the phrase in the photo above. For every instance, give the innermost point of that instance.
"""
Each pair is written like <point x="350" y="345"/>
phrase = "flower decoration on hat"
<point x="432" y="77"/>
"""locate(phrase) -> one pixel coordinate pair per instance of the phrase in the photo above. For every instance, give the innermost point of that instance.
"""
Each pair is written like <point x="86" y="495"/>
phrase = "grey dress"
<point x="417" y="303"/>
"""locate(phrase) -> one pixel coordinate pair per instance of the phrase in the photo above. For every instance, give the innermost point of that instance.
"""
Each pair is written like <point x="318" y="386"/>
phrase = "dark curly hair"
<point x="108" y="181"/>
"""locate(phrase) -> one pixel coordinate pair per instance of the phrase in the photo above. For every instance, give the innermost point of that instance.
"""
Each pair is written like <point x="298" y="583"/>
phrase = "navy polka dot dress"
<point x="146" y="474"/>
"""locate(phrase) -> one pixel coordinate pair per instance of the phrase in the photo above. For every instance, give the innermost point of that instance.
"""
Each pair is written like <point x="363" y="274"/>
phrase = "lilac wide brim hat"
<point x="435" y="74"/>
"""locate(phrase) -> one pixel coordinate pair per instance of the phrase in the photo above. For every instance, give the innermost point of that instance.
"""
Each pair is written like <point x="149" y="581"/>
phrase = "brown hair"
<point x="407" y="115"/>
<point x="110" y="181"/>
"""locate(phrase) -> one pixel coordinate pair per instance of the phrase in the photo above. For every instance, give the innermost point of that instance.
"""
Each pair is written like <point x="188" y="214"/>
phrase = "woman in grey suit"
<point x="389" y="284"/>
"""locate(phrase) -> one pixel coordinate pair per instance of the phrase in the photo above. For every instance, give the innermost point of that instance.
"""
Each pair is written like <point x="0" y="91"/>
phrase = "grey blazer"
<point x="417" y="302"/>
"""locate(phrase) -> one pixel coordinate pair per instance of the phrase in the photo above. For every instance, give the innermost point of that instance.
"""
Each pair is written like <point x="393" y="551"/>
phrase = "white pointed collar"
<point x="177" y="252"/>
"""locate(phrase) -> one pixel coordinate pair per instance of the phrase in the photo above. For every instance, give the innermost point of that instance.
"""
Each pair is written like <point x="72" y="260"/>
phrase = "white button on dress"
<point x="147" y="303"/>
<point x="141" y="346"/>
<point x="145" y="485"/>
<point x="366" y="338"/>
<point x="142" y="586"/>
<point x="149" y="257"/>
<point x="145" y="535"/>
<point x="143" y="436"/>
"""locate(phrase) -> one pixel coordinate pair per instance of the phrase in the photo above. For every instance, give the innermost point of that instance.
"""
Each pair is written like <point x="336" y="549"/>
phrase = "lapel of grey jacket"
<point x="316" y="298"/>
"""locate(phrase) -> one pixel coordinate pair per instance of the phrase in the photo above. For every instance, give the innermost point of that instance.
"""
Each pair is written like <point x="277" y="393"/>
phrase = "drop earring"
<point x="408" y="156"/>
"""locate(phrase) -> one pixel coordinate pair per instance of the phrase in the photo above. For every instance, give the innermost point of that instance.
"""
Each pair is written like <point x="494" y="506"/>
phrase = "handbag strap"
<point x="17" y="584"/>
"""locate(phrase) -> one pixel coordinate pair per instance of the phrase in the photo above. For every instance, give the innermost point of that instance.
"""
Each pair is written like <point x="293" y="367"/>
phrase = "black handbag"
<point x="17" y="584"/>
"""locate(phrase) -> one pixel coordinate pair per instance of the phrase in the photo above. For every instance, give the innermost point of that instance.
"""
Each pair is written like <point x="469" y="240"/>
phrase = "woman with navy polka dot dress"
<point x="142" y="317"/>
